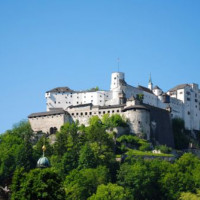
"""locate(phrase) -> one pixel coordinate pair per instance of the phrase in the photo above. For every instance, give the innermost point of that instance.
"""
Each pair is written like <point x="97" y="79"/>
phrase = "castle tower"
<point x="115" y="80"/>
<point x="150" y="85"/>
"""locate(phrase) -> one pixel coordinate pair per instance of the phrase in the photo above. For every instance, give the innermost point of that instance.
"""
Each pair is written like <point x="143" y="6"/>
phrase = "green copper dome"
<point x="43" y="162"/>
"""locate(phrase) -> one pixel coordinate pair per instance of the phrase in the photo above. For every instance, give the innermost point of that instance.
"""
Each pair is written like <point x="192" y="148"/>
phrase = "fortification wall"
<point x="161" y="127"/>
<point x="45" y="123"/>
<point x="139" y="122"/>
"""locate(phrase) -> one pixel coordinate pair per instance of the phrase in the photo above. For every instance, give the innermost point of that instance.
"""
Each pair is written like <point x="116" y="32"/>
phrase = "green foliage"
<point x="190" y="196"/>
<point x="133" y="142"/>
<point x="15" y="151"/>
<point x="138" y="181"/>
<point x="100" y="143"/>
<point x="87" y="157"/>
<point x="180" y="177"/>
<point x="164" y="148"/>
<point x="37" y="149"/>
<point x="66" y="139"/>
<point x="37" y="184"/>
<point x="95" y="121"/>
<point x="84" y="166"/>
<point x="145" y="146"/>
<point x="79" y="185"/>
<point x="113" y="121"/>
<point x="69" y="161"/>
<point x="109" y="192"/>
<point x="140" y="97"/>
<point x="132" y="153"/>
<point x="180" y="139"/>
<point x="93" y="89"/>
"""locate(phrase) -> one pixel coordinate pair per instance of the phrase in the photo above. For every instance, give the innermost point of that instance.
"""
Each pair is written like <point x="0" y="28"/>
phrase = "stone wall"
<point x="44" y="123"/>
<point x="161" y="127"/>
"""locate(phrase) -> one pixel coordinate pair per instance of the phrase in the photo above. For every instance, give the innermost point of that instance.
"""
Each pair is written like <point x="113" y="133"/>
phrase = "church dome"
<point x="43" y="162"/>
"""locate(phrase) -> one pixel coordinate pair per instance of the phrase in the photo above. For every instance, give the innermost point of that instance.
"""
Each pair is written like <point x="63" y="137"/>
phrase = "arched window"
<point x="51" y="130"/>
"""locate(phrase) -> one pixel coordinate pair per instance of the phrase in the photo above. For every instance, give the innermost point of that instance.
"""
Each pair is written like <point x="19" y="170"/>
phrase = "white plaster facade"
<point x="183" y="100"/>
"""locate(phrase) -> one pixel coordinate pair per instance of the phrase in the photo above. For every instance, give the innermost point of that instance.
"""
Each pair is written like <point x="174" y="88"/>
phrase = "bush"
<point x="164" y="149"/>
<point x="145" y="147"/>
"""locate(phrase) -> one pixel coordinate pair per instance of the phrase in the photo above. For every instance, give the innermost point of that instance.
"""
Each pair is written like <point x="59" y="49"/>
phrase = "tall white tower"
<point x="115" y="80"/>
<point x="150" y="85"/>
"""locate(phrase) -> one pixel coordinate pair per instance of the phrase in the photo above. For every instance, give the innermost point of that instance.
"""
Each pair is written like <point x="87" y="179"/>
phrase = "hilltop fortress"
<point x="147" y="110"/>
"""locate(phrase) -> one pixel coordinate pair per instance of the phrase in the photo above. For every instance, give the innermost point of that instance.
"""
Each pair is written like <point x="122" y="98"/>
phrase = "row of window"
<point x="94" y="113"/>
<point x="52" y="116"/>
<point x="76" y="102"/>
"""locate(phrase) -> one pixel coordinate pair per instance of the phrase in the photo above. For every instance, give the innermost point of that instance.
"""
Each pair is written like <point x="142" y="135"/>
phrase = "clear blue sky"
<point x="50" y="43"/>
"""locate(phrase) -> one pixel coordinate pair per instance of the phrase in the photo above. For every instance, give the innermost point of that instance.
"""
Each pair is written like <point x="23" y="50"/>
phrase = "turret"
<point x="157" y="91"/>
<point x="115" y="79"/>
<point x="150" y="85"/>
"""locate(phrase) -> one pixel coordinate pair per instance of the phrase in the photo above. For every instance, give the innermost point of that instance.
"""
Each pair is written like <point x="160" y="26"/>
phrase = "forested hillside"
<point x="93" y="163"/>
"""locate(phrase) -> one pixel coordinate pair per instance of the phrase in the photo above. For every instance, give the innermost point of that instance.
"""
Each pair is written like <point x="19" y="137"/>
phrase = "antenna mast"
<point x="118" y="60"/>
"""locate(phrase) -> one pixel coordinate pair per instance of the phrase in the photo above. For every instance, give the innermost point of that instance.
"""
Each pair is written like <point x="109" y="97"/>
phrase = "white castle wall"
<point x="64" y="100"/>
<point x="184" y="102"/>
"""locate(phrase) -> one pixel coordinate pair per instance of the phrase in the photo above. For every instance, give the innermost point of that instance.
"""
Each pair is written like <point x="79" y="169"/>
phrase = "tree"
<point x="69" y="161"/>
<point x="190" y="196"/>
<point x="138" y="180"/>
<point x="87" y="157"/>
<point x="109" y="192"/>
<point x="37" y="150"/>
<point x="15" y="151"/>
<point x="43" y="184"/>
<point x="79" y="185"/>
<point x="181" y="177"/>
<point x="180" y="139"/>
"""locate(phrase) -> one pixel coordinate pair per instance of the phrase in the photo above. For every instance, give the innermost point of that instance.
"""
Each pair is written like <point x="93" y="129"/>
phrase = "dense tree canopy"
<point x="94" y="163"/>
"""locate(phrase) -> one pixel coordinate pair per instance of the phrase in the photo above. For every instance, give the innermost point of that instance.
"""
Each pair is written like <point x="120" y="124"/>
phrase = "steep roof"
<point x="80" y="105"/>
<point x="53" y="112"/>
<point x="145" y="89"/>
<point x="132" y="98"/>
<point x="178" y="87"/>
<point x="138" y="107"/>
<point x="61" y="89"/>
<point x="156" y="87"/>
<point x="112" y="106"/>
